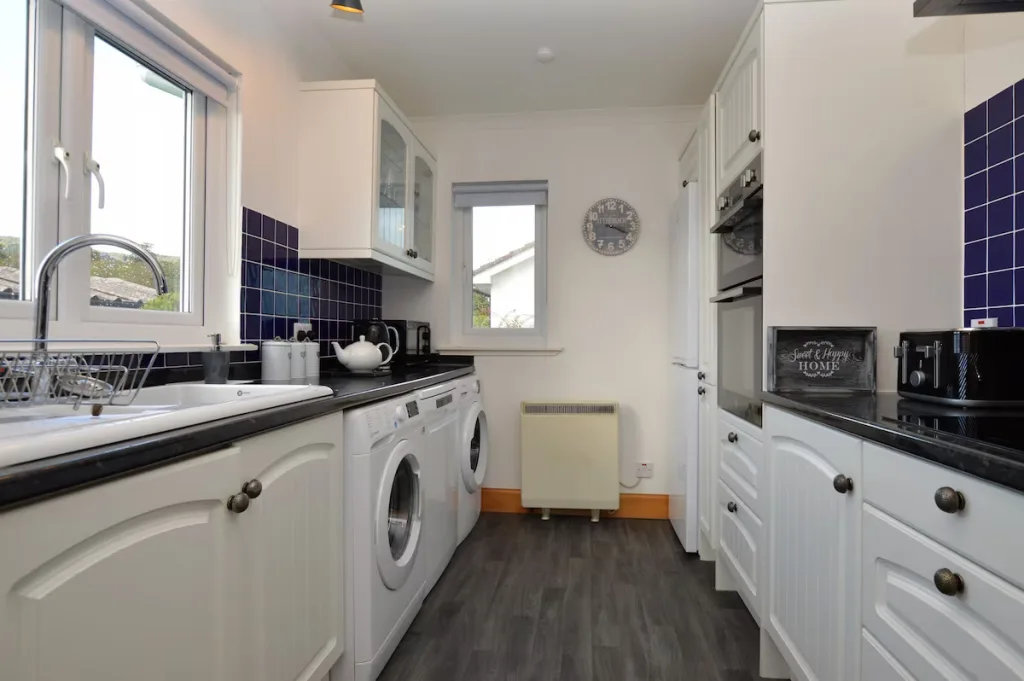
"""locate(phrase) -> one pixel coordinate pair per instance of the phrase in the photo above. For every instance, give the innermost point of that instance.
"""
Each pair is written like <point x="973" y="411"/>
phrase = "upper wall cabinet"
<point x="740" y="107"/>
<point x="366" y="183"/>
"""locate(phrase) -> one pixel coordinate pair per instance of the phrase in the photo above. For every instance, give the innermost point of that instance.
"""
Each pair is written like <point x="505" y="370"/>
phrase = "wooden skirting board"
<point x="650" y="506"/>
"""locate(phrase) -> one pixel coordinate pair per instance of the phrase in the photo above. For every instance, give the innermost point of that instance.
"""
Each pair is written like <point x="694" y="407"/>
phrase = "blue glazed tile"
<point x="1018" y="315"/>
<point x="269" y="228"/>
<point x="1018" y="283"/>
<point x="1018" y="246"/>
<point x="975" y="122"/>
<point x="267" y="302"/>
<point x="304" y="307"/>
<point x="1018" y="97"/>
<point x="280" y="257"/>
<point x="281" y="234"/>
<point x="252" y="275"/>
<point x="293" y="282"/>
<point x="176" y="359"/>
<point x="1000" y="145"/>
<point x="251" y="248"/>
<point x="280" y="304"/>
<point x="252" y="301"/>
<point x="314" y="267"/>
<point x="1018" y="136"/>
<point x="1000" y="253"/>
<point x="251" y="327"/>
<point x="335" y="271"/>
<point x="1000" y="181"/>
<point x="1003" y="314"/>
<point x="1018" y="217"/>
<point x="1000" y="217"/>
<point x="303" y="285"/>
<point x="975" y="293"/>
<point x="314" y="286"/>
<point x="304" y="266"/>
<point x="292" y="237"/>
<point x="1000" y="109"/>
<point x="1018" y="173"/>
<point x="975" y="190"/>
<point x="280" y="281"/>
<point x="280" y="327"/>
<point x="252" y="222"/>
<point x="975" y="224"/>
<point x="293" y="306"/>
<point x="1000" y="288"/>
<point x="314" y="308"/>
<point x="266" y="328"/>
<point x="293" y="262"/>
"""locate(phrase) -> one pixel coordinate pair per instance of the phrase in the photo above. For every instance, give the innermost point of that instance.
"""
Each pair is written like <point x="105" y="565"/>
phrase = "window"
<point x="502" y="228"/>
<point x="123" y="127"/>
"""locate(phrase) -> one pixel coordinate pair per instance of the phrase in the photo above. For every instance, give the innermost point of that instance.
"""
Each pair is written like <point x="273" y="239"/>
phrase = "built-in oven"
<point x="740" y="343"/>
<point x="739" y="224"/>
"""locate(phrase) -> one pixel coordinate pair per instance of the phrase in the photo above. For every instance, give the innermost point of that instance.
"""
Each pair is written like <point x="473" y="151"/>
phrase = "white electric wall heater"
<point x="569" y="454"/>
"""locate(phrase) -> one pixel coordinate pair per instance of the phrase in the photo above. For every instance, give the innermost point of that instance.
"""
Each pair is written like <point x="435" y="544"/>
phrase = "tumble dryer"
<point x="470" y="455"/>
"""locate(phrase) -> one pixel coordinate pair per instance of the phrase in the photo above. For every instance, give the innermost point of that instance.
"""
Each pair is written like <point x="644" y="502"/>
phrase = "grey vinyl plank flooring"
<point x="571" y="600"/>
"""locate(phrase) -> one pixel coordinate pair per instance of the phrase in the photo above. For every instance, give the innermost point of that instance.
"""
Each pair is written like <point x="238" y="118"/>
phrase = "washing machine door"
<point x="399" y="520"/>
<point x="474" y="448"/>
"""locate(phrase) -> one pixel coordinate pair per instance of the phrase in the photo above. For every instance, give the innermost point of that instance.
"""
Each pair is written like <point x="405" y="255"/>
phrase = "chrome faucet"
<point x="48" y="267"/>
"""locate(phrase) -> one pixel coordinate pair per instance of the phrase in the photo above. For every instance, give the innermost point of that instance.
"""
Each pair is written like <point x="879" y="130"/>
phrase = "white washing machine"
<point x="385" y="532"/>
<point x="439" y="408"/>
<point x="471" y="455"/>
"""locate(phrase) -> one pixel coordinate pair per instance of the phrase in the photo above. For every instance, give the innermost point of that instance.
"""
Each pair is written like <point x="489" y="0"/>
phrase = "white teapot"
<point x="362" y="357"/>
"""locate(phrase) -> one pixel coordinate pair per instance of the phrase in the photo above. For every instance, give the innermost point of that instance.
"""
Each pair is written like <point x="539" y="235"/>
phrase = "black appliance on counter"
<point x="378" y="332"/>
<point x="938" y="8"/>
<point x="962" y="367"/>
<point x="740" y="226"/>
<point x="413" y="341"/>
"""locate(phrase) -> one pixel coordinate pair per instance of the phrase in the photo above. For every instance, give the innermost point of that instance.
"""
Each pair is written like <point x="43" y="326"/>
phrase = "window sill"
<point x="499" y="352"/>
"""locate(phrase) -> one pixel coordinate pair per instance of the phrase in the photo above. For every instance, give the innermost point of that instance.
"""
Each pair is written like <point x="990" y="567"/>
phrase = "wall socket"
<point x="300" y="326"/>
<point x="645" y="469"/>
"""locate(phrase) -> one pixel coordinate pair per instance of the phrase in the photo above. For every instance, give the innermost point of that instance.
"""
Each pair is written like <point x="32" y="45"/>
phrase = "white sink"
<point x="33" y="433"/>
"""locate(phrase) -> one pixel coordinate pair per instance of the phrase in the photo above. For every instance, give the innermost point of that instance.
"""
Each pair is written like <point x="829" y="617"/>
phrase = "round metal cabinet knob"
<point x="733" y="437"/>
<point x="949" y="500"/>
<point x="948" y="582"/>
<point x="731" y="507"/>
<point x="252" y="489"/>
<point x="701" y="375"/>
<point x="842" y="484"/>
<point x="238" y="503"/>
<point x="754" y="135"/>
<point x="701" y="391"/>
<point x="918" y="378"/>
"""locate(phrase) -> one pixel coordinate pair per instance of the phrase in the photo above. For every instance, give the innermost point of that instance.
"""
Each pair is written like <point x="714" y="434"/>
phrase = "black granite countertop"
<point x="985" y="443"/>
<point x="35" y="480"/>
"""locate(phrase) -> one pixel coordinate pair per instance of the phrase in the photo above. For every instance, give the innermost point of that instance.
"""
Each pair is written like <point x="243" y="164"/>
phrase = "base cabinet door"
<point x="293" y="551"/>
<point x="129" y="580"/>
<point x="972" y="629"/>
<point x="813" y="529"/>
<point x="707" y="445"/>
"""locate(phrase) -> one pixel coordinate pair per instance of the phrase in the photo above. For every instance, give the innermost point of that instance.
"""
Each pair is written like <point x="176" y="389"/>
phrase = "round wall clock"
<point x="611" y="227"/>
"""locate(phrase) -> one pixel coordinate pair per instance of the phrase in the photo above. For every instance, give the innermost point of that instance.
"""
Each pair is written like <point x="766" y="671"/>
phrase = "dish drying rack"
<point x="36" y="373"/>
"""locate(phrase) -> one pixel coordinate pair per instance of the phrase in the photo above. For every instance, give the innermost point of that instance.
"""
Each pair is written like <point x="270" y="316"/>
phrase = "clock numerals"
<point x="622" y="243"/>
<point x="600" y="243"/>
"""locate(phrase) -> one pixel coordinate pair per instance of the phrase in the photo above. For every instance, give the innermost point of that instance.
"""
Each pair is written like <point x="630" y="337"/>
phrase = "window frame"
<point x="463" y="332"/>
<point x="61" y="43"/>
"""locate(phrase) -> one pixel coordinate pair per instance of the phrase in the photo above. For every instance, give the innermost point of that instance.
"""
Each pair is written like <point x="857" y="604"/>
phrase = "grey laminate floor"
<point x="571" y="600"/>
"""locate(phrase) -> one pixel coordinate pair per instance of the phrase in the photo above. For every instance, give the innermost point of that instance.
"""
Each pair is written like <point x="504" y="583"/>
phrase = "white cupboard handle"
<point x="63" y="156"/>
<point x="93" y="168"/>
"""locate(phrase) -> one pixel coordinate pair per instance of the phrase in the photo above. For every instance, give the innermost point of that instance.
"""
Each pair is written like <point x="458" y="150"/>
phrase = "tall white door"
<point x="684" y="457"/>
<point x="708" y="249"/>
<point x="293" y="530"/>
<point x="707" y="469"/>
<point x="685" y="260"/>
<point x="133" y="579"/>
<point x="813" y="547"/>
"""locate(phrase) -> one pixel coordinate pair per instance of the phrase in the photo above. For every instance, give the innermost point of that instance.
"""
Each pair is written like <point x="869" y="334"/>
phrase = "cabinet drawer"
<point x="987" y="530"/>
<point x="741" y="458"/>
<point x="978" y="633"/>
<point x="739" y="542"/>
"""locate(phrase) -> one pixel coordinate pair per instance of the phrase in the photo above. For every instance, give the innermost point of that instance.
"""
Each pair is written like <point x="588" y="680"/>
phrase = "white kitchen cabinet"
<point x="154" y="572"/>
<point x="739" y="541"/>
<point x="708" y="312"/>
<point x="294" y="599"/>
<point x="813" y="531"/>
<point x="914" y="631"/>
<point x="707" y="444"/>
<point x="739" y="108"/>
<point x="367" y="187"/>
<point x="684" y="491"/>
<point x="685" y="261"/>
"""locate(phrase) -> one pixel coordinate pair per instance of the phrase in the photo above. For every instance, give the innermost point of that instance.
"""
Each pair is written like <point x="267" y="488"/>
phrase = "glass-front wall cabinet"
<point x="391" y="190"/>
<point x="423" y="212"/>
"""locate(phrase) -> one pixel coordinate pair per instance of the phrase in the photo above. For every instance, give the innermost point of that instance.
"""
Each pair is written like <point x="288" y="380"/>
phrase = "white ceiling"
<point x="441" y="57"/>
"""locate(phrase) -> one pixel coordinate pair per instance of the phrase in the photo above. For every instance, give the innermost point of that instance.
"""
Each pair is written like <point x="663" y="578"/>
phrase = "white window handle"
<point x="93" y="168"/>
<point x="63" y="156"/>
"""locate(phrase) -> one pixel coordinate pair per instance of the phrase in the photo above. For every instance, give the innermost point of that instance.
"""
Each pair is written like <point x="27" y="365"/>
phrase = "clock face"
<point x="611" y="227"/>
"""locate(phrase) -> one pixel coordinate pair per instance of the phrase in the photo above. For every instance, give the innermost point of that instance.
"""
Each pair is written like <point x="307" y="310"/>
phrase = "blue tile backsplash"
<point x="279" y="288"/>
<point x="994" y="205"/>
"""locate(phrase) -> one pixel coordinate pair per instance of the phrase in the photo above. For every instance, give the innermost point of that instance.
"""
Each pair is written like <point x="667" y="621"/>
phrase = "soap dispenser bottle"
<point x="216" y="362"/>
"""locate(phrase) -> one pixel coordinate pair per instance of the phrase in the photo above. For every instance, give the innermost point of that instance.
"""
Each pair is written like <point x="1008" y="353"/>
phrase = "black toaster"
<point x="963" y="367"/>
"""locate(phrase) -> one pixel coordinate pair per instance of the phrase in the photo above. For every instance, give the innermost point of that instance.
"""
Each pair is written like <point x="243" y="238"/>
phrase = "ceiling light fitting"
<point x="545" y="55"/>
<point x="348" y="6"/>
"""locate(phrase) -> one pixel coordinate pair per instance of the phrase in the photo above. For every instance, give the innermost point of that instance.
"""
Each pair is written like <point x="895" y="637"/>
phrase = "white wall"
<point x="272" y="63"/>
<point x="608" y="313"/>
<point x="994" y="55"/>
<point x="863" y="165"/>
